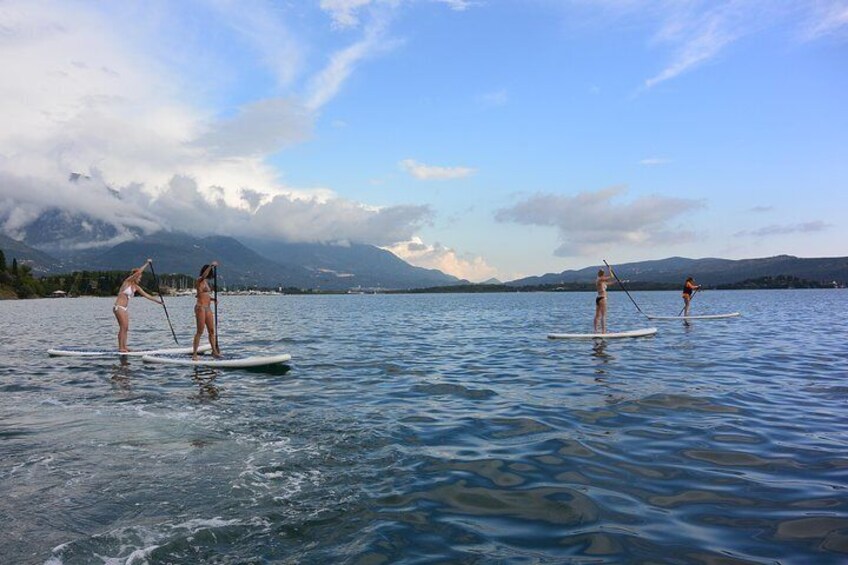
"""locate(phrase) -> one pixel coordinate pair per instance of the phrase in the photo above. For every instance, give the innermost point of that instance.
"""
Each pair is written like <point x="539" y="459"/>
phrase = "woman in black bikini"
<point x="689" y="289"/>
<point x="203" y="311"/>
<point x="601" y="300"/>
<point x="121" y="307"/>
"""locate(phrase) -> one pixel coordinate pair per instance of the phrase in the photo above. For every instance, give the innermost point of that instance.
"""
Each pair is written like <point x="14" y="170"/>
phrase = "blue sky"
<point x="485" y="138"/>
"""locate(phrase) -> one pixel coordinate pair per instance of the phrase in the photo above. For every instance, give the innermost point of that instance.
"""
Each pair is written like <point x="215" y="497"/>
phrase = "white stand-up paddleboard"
<point x="633" y="333"/>
<point x="701" y="317"/>
<point x="208" y="361"/>
<point x="92" y="352"/>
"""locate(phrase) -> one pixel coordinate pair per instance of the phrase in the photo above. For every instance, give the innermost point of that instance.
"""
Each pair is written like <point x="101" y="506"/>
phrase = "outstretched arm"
<point x="208" y="270"/>
<point x="147" y="296"/>
<point x="145" y="264"/>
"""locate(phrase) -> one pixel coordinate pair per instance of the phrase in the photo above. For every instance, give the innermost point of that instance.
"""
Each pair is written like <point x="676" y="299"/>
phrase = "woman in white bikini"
<point x="203" y="311"/>
<point x="128" y="289"/>
<point x="601" y="300"/>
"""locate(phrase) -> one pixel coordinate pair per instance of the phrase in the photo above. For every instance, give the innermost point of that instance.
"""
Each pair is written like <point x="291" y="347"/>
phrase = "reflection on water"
<point x="121" y="373"/>
<point x="432" y="429"/>
<point x="603" y="358"/>
<point x="204" y="378"/>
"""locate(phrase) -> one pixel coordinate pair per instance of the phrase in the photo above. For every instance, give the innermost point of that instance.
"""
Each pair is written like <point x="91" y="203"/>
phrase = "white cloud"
<point x="700" y="30"/>
<point x="344" y="13"/>
<point x="182" y="206"/>
<point x="258" y="24"/>
<point x="654" y="161"/>
<point x="591" y="221"/>
<point x="494" y="99"/>
<point x="695" y="32"/>
<point x="103" y="104"/>
<point x="458" y="5"/>
<point x="339" y="219"/>
<point x="785" y="229"/>
<point x="432" y="172"/>
<point x="698" y="38"/>
<point x="24" y="199"/>
<point x="260" y="128"/>
<point x="828" y="18"/>
<point x="326" y="84"/>
<point x="134" y="123"/>
<point x="465" y="266"/>
<point x="347" y="13"/>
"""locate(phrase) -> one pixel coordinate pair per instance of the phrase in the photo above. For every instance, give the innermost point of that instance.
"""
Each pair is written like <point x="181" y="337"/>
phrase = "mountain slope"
<point x="356" y="264"/>
<point x="268" y="264"/>
<point x="709" y="271"/>
<point x="181" y="253"/>
<point x="40" y="262"/>
<point x="82" y="242"/>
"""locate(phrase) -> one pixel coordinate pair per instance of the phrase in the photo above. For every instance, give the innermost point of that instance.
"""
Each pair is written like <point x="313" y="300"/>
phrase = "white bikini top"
<point x="128" y="290"/>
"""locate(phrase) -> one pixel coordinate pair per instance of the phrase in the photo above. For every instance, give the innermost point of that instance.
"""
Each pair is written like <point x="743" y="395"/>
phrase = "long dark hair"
<point x="203" y="270"/>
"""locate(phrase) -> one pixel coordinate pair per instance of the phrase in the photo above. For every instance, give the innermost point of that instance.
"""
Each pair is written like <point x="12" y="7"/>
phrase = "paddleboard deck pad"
<point x="91" y="352"/>
<point x="208" y="361"/>
<point x="633" y="333"/>
<point x="701" y="317"/>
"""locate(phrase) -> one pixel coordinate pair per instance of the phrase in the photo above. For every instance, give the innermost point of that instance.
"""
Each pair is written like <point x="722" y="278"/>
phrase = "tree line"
<point x="17" y="281"/>
<point x="778" y="282"/>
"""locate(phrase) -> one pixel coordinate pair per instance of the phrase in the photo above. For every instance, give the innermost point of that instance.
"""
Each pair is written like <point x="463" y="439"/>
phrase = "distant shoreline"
<point x="462" y="289"/>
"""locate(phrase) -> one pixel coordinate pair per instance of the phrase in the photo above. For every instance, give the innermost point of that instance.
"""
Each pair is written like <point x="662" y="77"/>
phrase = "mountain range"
<point x="263" y="263"/>
<point x="709" y="271"/>
<point x="324" y="266"/>
<point x="272" y="264"/>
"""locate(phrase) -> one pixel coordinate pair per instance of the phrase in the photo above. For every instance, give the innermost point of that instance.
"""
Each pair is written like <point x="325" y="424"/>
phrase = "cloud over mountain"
<point x="463" y="265"/>
<point x="109" y="105"/>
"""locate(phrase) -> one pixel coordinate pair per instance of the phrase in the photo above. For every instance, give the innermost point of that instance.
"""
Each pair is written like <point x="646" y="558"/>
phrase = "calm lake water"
<point x="431" y="428"/>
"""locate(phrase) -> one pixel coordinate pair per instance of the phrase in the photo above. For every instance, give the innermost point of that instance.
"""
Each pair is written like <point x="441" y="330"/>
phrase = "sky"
<point x="485" y="138"/>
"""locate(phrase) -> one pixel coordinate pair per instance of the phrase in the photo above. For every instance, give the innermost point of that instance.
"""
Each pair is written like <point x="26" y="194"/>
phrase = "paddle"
<point x="694" y="292"/>
<point x="162" y="298"/>
<point x="624" y="288"/>
<point x="215" y="282"/>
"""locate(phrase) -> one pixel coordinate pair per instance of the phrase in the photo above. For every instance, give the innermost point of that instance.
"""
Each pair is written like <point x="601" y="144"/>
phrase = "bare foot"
<point x="194" y="357"/>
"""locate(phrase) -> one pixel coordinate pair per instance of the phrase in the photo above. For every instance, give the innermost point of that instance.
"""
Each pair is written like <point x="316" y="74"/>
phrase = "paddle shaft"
<point x="624" y="288"/>
<point x="162" y="298"/>
<point x="215" y="281"/>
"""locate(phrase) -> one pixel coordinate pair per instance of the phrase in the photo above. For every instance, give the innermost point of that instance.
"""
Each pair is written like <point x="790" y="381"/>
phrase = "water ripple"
<point x="430" y="428"/>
